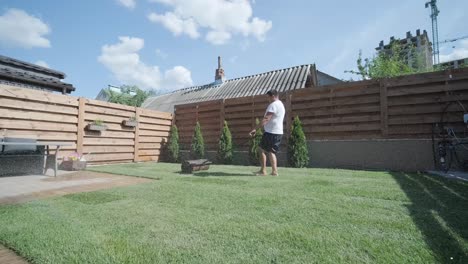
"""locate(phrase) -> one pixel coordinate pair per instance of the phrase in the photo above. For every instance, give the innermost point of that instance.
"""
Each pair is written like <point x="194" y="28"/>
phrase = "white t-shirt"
<point x="275" y="125"/>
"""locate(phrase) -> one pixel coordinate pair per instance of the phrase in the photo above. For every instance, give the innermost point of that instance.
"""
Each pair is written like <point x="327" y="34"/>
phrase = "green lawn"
<point x="225" y="215"/>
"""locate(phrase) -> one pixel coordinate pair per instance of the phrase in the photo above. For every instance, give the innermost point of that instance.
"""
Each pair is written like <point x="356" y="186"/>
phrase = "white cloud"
<point x="221" y="18"/>
<point x="128" y="3"/>
<point x="259" y="28"/>
<point x="42" y="63"/>
<point x="459" y="52"/>
<point x="123" y="60"/>
<point x="175" y="24"/>
<point x="218" y="37"/>
<point x="19" y="29"/>
<point x="177" y="77"/>
<point x="167" y="2"/>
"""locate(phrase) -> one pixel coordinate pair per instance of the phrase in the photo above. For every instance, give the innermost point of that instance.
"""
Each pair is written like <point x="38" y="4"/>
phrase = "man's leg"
<point x="262" y="154"/>
<point x="274" y="168"/>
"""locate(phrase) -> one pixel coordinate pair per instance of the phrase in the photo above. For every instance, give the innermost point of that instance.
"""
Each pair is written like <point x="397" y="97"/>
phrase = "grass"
<point x="224" y="215"/>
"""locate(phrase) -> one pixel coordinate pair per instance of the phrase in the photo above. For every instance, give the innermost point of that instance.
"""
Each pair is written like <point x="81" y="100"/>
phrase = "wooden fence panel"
<point x="60" y="118"/>
<point x="403" y="107"/>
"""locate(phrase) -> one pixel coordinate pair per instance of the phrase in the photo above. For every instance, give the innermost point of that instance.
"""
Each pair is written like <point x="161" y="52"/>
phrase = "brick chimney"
<point x="219" y="76"/>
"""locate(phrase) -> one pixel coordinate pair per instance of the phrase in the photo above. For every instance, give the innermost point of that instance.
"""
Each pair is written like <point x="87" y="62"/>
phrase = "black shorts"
<point x="270" y="142"/>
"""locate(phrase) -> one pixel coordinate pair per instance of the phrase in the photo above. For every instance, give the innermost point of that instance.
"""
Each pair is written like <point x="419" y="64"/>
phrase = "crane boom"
<point x="453" y="40"/>
<point x="435" y="29"/>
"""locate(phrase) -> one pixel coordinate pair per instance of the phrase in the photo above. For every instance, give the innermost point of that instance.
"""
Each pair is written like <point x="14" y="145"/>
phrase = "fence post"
<point x="173" y="120"/>
<point x="289" y="114"/>
<point x="81" y="125"/>
<point x="383" y="108"/>
<point x="221" y="116"/>
<point x="137" y="136"/>
<point x="252" y="105"/>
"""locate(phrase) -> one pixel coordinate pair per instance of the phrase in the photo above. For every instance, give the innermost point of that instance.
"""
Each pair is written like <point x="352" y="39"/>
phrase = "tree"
<point x="129" y="95"/>
<point x="225" y="145"/>
<point x="390" y="63"/>
<point x="254" y="141"/>
<point x="198" y="145"/>
<point x="298" y="154"/>
<point x="173" y="147"/>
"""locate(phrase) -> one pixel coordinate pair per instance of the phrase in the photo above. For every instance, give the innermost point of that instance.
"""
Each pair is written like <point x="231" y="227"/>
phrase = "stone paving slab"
<point x="17" y="189"/>
<point x="459" y="175"/>
<point x="8" y="256"/>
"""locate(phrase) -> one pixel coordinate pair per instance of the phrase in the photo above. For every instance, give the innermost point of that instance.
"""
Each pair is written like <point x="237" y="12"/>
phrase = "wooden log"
<point x="189" y="166"/>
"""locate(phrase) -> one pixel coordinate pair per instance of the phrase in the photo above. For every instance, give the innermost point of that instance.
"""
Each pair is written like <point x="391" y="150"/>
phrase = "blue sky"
<point x="169" y="44"/>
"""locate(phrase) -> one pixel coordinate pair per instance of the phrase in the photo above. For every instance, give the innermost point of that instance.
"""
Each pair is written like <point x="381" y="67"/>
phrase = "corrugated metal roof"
<point x="26" y="74"/>
<point x="7" y="61"/>
<point x="282" y="80"/>
<point x="31" y="78"/>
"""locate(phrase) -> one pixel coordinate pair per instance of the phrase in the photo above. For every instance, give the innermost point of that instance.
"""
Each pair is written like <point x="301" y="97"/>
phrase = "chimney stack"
<point x="219" y="74"/>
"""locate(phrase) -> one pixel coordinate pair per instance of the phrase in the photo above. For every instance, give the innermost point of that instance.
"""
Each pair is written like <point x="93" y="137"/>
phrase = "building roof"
<point x="282" y="80"/>
<point x="105" y="93"/>
<point x="19" y="72"/>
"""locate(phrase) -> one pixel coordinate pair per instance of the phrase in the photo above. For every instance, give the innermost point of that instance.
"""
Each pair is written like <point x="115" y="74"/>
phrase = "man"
<point x="272" y="124"/>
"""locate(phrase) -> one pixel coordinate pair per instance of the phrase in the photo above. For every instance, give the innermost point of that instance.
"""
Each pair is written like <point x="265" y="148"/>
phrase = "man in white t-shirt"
<point x="272" y="124"/>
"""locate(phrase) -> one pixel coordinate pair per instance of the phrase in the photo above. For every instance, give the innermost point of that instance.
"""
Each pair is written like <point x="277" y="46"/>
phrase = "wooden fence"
<point x="53" y="117"/>
<point x="406" y="107"/>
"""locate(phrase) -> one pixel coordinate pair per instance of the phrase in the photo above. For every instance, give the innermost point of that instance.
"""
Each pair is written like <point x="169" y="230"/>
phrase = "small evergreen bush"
<point x="254" y="157"/>
<point x="173" y="146"/>
<point x="298" y="154"/>
<point x="198" y="145"/>
<point x="225" y="145"/>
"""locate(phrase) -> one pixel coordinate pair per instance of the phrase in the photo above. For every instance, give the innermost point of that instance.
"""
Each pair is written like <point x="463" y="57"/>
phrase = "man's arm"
<point x="265" y="120"/>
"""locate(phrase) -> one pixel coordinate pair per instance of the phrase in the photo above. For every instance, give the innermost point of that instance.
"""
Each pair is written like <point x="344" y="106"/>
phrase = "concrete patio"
<point x="17" y="189"/>
<point x="459" y="175"/>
